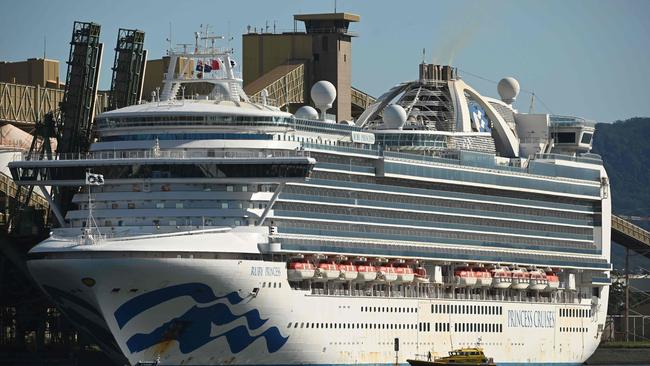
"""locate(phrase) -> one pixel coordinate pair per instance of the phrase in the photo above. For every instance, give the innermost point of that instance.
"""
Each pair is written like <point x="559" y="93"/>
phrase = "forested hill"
<point x="625" y="148"/>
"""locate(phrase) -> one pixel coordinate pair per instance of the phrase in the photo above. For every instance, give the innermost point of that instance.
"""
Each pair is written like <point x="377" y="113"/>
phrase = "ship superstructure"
<point x="233" y="232"/>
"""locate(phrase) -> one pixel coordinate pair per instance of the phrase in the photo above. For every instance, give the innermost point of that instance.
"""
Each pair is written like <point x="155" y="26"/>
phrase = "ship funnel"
<point x="432" y="72"/>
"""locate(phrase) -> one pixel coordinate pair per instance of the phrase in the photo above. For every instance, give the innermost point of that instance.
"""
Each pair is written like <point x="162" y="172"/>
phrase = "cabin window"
<point x="160" y="205"/>
<point x="179" y="205"/>
<point x="586" y="138"/>
<point x="566" y="137"/>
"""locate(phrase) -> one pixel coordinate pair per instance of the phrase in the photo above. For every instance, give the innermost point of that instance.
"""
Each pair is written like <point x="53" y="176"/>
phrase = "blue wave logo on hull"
<point x="193" y="329"/>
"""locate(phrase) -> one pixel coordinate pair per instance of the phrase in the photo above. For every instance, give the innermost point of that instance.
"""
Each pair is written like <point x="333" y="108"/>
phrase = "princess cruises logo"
<point x="202" y="323"/>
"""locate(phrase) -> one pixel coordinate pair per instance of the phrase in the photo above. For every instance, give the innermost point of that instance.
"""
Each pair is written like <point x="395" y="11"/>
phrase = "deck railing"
<point x="182" y="155"/>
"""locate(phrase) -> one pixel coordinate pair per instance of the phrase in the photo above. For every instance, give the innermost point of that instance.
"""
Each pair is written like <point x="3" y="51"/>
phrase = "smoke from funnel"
<point x="460" y="32"/>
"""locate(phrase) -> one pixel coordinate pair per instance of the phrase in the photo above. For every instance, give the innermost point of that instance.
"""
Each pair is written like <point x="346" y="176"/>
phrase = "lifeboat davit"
<point x="520" y="279"/>
<point x="298" y="271"/>
<point x="347" y="272"/>
<point x="553" y="281"/>
<point x="538" y="280"/>
<point x="420" y="275"/>
<point x="464" y="277"/>
<point x="366" y="273"/>
<point x="387" y="273"/>
<point x="483" y="277"/>
<point x="501" y="277"/>
<point x="327" y="271"/>
<point x="404" y="274"/>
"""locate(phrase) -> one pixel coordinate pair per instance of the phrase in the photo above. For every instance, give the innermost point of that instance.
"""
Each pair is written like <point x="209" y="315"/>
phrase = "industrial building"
<point x="322" y="52"/>
<point x="34" y="71"/>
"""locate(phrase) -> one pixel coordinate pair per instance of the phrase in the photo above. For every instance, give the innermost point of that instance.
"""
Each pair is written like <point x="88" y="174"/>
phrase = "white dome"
<point x="323" y="94"/>
<point x="306" y="112"/>
<point x="508" y="89"/>
<point x="394" y="116"/>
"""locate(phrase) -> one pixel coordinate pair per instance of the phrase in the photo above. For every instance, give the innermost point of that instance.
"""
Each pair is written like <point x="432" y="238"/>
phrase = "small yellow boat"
<point x="459" y="357"/>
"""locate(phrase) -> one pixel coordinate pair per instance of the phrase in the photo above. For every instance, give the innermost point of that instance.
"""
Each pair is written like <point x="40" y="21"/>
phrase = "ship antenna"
<point x="531" y="109"/>
<point x="170" y="37"/>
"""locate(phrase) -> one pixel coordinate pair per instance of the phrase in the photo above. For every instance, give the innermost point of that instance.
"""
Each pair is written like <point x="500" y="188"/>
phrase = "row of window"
<point x="478" y="327"/>
<point x="420" y="234"/>
<point x="343" y="245"/>
<point x="486" y="178"/>
<point x="388" y="309"/>
<point x="403" y="217"/>
<point x="422" y="327"/>
<point x="573" y="330"/>
<point x="207" y="187"/>
<point x="399" y="185"/>
<point x="185" y="221"/>
<point x="466" y="309"/>
<point x="575" y="313"/>
<point x="214" y="204"/>
<point x="385" y="326"/>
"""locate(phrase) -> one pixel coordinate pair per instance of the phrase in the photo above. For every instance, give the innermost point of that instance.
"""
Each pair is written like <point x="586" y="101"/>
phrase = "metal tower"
<point x="78" y="105"/>
<point x="128" y="69"/>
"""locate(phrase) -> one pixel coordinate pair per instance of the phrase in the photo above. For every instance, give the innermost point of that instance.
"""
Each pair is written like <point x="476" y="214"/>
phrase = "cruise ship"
<point x="217" y="229"/>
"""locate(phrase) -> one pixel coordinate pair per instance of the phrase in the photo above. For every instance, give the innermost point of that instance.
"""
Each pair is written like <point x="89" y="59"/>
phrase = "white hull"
<point x="245" y="312"/>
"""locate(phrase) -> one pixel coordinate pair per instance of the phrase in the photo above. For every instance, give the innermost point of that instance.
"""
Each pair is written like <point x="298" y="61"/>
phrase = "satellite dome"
<point x="306" y="112"/>
<point x="508" y="89"/>
<point x="323" y="94"/>
<point x="394" y="116"/>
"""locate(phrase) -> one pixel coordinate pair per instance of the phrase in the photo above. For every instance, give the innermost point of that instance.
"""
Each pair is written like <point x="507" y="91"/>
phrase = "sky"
<point x="588" y="58"/>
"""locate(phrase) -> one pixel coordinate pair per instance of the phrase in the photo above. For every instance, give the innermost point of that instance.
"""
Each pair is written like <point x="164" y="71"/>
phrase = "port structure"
<point x="78" y="105"/>
<point x="128" y="69"/>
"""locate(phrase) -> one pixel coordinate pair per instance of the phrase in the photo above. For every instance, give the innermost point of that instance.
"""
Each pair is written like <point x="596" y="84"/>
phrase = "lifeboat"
<point x="520" y="279"/>
<point x="348" y="272"/>
<point x="404" y="274"/>
<point x="553" y="281"/>
<point x="298" y="271"/>
<point x="483" y="277"/>
<point x="420" y="275"/>
<point x="538" y="280"/>
<point x="501" y="277"/>
<point x="387" y="273"/>
<point x="464" y="277"/>
<point x="327" y="271"/>
<point x="366" y="273"/>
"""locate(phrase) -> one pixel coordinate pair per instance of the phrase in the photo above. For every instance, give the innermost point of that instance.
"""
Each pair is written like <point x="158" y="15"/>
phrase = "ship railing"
<point x="514" y="170"/>
<point x="152" y="154"/>
<point x="580" y="159"/>
<point x="264" y="101"/>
